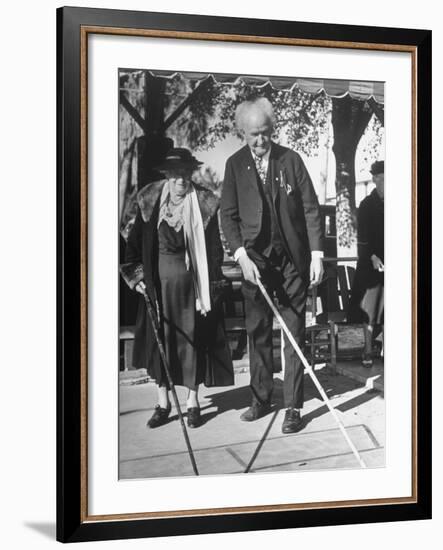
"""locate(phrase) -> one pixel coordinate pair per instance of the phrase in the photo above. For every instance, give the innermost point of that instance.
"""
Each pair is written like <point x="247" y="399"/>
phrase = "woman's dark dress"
<point x="178" y="306"/>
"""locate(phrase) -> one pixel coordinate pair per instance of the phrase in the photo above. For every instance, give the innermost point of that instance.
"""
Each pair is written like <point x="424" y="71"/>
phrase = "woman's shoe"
<point x="194" y="417"/>
<point x="159" y="417"/>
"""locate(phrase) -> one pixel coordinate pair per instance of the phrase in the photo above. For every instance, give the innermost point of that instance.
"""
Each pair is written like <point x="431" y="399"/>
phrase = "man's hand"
<point x="377" y="264"/>
<point x="140" y="287"/>
<point x="249" y="269"/>
<point x="316" y="270"/>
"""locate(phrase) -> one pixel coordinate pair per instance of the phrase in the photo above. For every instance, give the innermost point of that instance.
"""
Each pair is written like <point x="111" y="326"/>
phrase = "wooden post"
<point x="153" y="145"/>
<point x="349" y="120"/>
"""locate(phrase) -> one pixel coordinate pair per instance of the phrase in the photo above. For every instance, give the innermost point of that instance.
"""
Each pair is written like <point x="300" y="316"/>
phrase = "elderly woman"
<point x="174" y="254"/>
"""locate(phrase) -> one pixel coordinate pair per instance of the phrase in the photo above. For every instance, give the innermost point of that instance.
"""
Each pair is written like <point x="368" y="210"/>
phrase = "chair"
<point x="334" y="295"/>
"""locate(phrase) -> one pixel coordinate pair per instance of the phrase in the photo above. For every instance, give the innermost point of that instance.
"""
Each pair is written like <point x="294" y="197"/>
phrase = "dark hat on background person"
<point x="179" y="157"/>
<point x="378" y="167"/>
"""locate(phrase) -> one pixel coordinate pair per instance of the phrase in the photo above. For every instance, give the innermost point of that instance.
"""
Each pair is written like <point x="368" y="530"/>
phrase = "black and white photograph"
<point x="251" y="273"/>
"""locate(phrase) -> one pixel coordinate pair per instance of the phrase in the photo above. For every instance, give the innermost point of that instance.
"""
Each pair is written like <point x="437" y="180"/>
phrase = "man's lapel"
<point x="249" y="169"/>
<point x="274" y="173"/>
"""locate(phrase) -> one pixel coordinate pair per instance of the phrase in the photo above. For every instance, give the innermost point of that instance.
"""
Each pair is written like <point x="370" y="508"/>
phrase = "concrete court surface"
<point x="225" y="445"/>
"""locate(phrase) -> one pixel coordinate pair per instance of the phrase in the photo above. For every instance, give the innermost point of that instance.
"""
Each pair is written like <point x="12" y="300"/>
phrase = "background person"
<point x="367" y="301"/>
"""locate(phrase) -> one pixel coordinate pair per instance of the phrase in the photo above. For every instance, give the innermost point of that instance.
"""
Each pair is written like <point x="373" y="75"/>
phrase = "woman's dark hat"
<point x="378" y="167"/>
<point x="179" y="158"/>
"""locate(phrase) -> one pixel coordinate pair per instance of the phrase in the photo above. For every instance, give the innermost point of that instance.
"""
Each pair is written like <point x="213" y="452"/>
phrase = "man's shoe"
<point x="292" y="422"/>
<point x="159" y="417"/>
<point x="194" y="417"/>
<point x="255" y="411"/>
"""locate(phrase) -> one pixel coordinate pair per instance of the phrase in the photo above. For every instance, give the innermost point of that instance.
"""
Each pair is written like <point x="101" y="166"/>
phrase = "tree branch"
<point x="124" y="102"/>
<point x="185" y="104"/>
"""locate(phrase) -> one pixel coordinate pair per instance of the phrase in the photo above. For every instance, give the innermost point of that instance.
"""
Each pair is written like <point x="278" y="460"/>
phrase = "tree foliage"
<point x="371" y="141"/>
<point x="131" y="83"/>
<point x="210" y="118"/>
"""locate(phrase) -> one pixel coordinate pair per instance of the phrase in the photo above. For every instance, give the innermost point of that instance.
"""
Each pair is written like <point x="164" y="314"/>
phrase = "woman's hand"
<point x="140" y="287"/>
<point x="249" y="269"/>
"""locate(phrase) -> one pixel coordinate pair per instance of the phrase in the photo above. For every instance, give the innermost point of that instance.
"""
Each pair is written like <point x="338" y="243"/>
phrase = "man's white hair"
<point x="260" y="104"/>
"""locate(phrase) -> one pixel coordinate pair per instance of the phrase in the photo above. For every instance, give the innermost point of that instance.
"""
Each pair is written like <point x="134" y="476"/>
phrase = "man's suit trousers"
<point x="279" y="276"/>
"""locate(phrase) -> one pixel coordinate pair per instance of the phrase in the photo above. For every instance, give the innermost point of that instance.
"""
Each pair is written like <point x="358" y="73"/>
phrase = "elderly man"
<point x="271" y="219"/>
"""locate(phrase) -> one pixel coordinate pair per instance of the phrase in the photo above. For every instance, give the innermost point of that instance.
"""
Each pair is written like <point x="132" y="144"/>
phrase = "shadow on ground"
<point x="333" y="385"/>
<point x="238" y="398"/>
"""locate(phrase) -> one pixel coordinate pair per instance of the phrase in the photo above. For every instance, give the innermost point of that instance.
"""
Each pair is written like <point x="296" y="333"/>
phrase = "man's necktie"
<point x="260" y="164"/>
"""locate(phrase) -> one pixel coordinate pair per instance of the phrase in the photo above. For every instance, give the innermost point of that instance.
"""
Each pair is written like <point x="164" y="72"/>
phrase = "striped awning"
<point x="357" y="89"/>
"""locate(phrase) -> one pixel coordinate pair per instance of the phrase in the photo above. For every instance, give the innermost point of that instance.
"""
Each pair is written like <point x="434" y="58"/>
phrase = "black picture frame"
<point x="73" y="523"/>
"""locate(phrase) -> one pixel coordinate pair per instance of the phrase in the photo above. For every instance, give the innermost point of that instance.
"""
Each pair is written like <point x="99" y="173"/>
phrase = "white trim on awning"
<point x="357" y="89"/>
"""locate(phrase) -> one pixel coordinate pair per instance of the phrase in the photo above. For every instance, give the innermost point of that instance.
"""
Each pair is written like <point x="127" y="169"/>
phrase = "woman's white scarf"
<point x="195" y="256"/>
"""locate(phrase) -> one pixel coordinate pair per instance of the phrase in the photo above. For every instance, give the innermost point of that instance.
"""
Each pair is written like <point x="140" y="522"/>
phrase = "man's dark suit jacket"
<point x="294" y="198"/>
